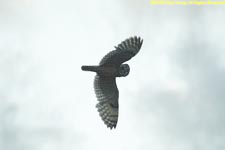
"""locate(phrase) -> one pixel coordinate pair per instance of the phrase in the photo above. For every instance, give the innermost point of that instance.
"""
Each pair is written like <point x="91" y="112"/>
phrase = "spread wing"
<point x="124" y="52"/>
<point x="107" y="94"/>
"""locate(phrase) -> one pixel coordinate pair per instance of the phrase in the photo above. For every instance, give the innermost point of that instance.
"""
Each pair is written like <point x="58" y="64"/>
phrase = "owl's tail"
<point x="90" y="68"/>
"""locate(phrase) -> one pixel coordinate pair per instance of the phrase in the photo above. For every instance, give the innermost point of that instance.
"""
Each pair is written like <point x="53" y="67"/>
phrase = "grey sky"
<point x="172" y="99"/>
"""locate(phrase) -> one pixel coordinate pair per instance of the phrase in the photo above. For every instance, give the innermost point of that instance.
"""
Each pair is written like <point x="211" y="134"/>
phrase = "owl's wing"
<point x="107" y="94"/>
<point x="124" y="52"/>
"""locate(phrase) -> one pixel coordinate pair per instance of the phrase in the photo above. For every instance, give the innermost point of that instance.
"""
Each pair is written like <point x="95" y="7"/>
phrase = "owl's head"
<point x="124" y="70"/>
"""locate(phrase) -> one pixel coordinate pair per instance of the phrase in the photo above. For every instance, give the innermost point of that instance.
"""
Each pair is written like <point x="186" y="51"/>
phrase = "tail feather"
<point x="90" y="68"/>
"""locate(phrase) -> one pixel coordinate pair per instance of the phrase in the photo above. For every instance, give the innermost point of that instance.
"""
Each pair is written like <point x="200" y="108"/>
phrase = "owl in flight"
<point x="110" y="67"/>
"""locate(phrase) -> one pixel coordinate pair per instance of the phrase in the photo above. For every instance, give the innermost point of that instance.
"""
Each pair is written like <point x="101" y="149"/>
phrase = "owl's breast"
<point x="110" y="71"/>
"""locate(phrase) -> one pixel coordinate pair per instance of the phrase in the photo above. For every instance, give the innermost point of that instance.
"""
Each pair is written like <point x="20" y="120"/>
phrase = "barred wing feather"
<point x="124" y="52"/>
<point x="107" y="94"/>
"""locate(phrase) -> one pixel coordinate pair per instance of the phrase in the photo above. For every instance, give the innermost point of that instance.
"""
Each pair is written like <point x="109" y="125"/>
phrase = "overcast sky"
<point x="173" y="98"/>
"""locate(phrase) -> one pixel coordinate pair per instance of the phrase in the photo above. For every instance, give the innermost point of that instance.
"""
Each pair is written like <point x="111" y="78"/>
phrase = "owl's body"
<point x="110" y="67"/>
<point x="109" y="70"/>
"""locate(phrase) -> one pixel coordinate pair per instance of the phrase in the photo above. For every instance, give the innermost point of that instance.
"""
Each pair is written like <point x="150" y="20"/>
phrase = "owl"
<point x="110" y="67"/>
